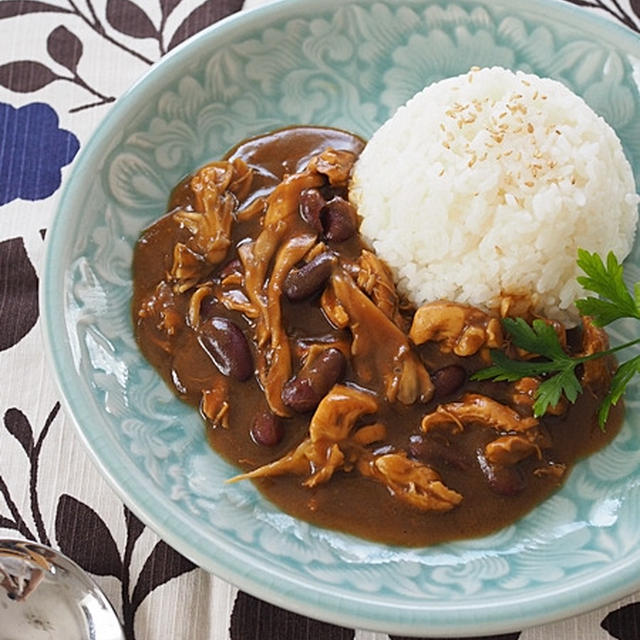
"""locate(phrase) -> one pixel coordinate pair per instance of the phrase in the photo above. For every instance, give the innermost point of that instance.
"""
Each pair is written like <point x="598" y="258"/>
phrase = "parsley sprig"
<point x="557" y="367"/>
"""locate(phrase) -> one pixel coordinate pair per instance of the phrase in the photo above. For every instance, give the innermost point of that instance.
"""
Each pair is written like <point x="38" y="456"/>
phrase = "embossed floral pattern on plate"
<point x="346" y="64"/>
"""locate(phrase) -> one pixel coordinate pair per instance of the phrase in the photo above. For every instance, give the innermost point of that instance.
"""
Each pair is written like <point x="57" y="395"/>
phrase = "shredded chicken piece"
<point x="216" y="189"/>
<point x="370" y="433"/>
<point x="332" y="444"/>
<point x="476" y="408"/>
<point x="458" y="328"/>
<point x="215" y="404"/>
<point x="378" y="341"/>
<point x="335" y="164"/>
<point x="520" y="436"/>
<point x="375" y="279"/>
<point x="517" y="306"/>
<point x="509" y="450"/>
<point x="523" y="394"/>
<point x="323" y="451"/>
<point x="160" y="306"/>
<point x="188" y="267"/>
<point x="410" y="481"/>
<point x="596" y="374"/>
<point x="553" y="470"/>
<point x="210" y="222"/>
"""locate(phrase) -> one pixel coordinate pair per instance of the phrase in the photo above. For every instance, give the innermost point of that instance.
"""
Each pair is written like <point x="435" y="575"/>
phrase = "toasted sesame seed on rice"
<point x="485" y="185"/>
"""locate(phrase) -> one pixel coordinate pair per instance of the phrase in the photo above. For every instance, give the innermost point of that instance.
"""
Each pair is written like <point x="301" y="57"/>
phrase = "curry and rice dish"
<point x="277" y="297"/>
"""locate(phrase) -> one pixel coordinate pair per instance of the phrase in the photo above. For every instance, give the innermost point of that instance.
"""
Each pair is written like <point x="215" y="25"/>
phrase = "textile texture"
<point x="62" y="64"/>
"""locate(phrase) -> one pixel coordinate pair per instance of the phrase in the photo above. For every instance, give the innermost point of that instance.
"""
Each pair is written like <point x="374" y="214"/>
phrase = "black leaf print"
<point x="206" y="14"/>
<point x="11" y="8"/>
<point x="65" y="48"/>
<point x="18" y="293"/>
<point x="504" y="636"/>
<point x="252" y="618"/>
<point x="18" y="523"/>
<point x="7" y="523"/>
<point x="24" y="76"/>
<point x="623" y="623"/>
<point x="616" y="10"/>
<point x="134" y="526"/>
<point x="130" y="19"/>
<point x="167" y="6"/>
<point x="18" y="426"/>
<point x="163" y="564"/>
<point x="84" y="537"/>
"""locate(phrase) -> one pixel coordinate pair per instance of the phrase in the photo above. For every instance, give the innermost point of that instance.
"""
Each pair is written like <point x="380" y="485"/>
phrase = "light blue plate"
<point x="347" y="64"/>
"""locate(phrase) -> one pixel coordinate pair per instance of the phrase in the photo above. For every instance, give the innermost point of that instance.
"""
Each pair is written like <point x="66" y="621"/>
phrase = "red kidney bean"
<point x="434" y="452"/>
<point x="266" y="429"/>
<point x="339" y="220"/>
<point x="305" y="391"/>
<point x="227" y="346"/>
<point x="505" y="481"/>
<point x="310" y="205"/>
<point x="302" y="283"/>
<point x="447" y="380"/>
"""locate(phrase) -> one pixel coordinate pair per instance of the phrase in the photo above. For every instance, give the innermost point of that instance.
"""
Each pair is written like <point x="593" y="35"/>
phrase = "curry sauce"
<point x="260" y="305"/>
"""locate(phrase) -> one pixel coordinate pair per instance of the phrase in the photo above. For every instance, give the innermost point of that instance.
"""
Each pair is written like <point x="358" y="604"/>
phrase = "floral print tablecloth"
<point x="62" y="63"/>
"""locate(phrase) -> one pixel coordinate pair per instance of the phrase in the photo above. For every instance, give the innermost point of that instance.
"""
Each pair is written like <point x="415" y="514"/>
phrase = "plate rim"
<point x="614" y="582"/>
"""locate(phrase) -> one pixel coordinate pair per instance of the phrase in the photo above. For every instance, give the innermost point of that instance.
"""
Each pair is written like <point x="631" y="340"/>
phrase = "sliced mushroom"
<point x="381" y="354"/>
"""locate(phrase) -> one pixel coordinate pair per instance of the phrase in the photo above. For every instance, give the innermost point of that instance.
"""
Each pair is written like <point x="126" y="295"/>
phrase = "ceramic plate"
<point x="348" y="64"/>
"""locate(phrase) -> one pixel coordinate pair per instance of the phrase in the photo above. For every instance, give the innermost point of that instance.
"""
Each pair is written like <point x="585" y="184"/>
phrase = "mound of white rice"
<point x="485" y="185"/>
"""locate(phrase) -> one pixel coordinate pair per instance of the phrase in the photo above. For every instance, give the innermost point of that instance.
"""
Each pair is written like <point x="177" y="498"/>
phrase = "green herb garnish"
<point x="557" y="367"/>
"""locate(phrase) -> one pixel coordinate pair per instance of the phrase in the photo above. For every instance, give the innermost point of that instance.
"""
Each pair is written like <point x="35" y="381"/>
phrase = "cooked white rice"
<point x="485" y="185"/>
